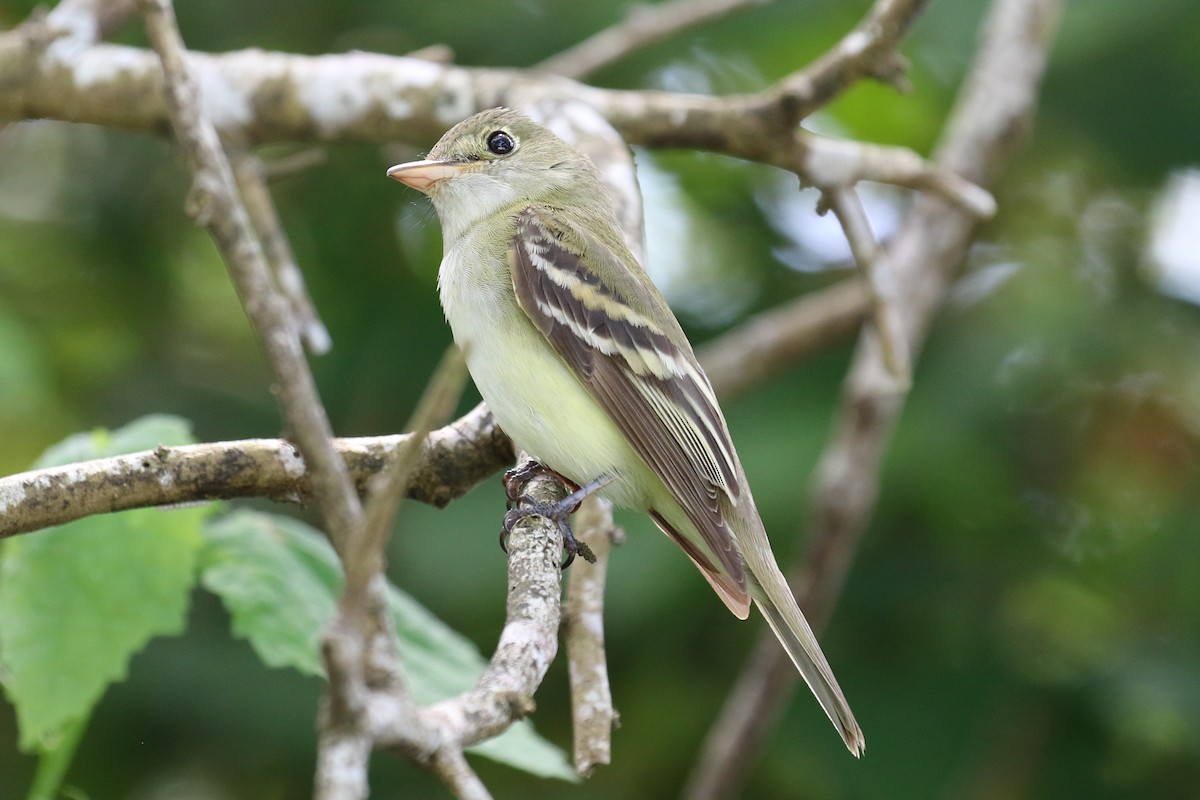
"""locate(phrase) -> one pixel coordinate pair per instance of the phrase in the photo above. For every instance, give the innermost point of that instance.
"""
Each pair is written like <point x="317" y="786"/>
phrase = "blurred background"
<point x="1023" y="619"/>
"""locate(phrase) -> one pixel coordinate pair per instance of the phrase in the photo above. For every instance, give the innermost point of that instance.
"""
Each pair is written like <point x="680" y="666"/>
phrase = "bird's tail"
<point x="773" y="596"/>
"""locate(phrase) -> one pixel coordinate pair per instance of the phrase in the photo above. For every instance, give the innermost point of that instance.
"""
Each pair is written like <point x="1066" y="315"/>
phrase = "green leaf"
<point x="77" y="601"/>
<point x="144" y="433"/>
<point x="278" y="602"/>
<point x="280" y="581"/>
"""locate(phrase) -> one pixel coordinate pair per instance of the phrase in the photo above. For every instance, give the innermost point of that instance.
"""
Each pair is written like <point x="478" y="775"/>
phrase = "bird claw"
<point x="559" y="513"/>
<point x="571" y="546"/>
<point x="515" y="479"/>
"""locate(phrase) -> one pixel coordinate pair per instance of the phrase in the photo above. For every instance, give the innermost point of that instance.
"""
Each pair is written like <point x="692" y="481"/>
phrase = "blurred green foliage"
<point x="1023" y="619"/>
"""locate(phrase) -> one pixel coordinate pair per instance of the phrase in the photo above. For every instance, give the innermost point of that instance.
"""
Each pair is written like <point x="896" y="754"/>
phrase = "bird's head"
<point x="494" y="159"/>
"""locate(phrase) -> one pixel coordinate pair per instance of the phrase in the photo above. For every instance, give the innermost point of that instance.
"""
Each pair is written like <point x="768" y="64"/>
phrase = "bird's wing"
<point x="653" y="390"/>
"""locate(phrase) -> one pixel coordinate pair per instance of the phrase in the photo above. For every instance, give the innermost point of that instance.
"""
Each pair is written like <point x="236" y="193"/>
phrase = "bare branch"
<point x="251" y="178"/>
<point x="643" y="25"/>
<point x="827" y="163"/>
<point x="775" y="339"/>
<point x="368" y="712"/>
<point x="873" y="263"/>
<point x="293" y="163"/>
<point x="528" y="642"/>
<point x="451" y="766"/>
<point x="867" y="51"/>
<point x="383" y="98"/>
<point x="215" y="203"/>
<point x="592" y="711"/>
<point x="750" y="713"/>
<point x="342" y="761"/>
<point x="997" y="99"/>
<point x="434" y="53"/>
<point x="453" y="460"/>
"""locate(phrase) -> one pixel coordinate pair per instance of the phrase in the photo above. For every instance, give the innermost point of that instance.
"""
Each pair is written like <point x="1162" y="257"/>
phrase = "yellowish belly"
<point x="536" y="398"/>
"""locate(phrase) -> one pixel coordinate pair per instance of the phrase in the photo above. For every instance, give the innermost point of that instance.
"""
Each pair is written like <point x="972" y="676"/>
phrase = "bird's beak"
<point x="424" y="175"/>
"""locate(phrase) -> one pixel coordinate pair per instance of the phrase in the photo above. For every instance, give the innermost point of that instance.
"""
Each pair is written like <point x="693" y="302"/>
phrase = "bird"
<point x="585" y="367"/>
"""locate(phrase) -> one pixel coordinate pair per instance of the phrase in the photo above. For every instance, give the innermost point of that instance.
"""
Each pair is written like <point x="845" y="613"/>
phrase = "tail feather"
<point x="773" y="596"/>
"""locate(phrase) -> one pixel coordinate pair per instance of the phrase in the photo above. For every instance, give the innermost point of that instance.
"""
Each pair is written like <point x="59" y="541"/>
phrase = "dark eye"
<point x="500" y="143"/>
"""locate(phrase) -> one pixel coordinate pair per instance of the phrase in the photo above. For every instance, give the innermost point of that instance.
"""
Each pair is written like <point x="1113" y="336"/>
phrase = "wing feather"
<point x="653" y="390"/>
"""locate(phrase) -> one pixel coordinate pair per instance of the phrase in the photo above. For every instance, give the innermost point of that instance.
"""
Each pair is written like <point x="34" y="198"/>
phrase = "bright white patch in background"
<point x="815" y="242"/>
<point x="707" y="72"/>
<point x="1173" y="256"/>
<point x="693" y="261"/>
<point x="980" y="283"/>
<point x="681" y="77"/>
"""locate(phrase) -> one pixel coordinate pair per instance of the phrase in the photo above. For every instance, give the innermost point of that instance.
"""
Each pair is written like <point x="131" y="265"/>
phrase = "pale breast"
<point x="533" y="394"/>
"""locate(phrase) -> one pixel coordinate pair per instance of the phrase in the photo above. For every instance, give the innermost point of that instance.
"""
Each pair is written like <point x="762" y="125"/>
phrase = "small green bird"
<point x="585" y="367"/>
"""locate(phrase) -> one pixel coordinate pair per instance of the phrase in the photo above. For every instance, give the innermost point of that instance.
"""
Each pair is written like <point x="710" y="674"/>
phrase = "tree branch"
<point x="259" y="96"/>
<point x="777" y="338"/>
<point x="251" y="177"/>
<point x="453" y="459"/>
<point x="869" y="50"/>
<point x="873" y="264"/>
<point x="388" y="488"/>
<point x="272" y="96"/>
<point x="997" y="100"/>
<point x="215" y="203"/>
<point x="592" y="711"/>
<point x="527" y="645"/>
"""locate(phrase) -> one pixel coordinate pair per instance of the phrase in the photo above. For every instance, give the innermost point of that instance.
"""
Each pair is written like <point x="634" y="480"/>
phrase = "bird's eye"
<point x="500" y="143"/>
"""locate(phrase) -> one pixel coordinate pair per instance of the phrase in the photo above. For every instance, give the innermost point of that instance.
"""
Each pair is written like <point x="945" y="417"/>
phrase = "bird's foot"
<point x="515" y="479"/>
<point x="559" y="513"/>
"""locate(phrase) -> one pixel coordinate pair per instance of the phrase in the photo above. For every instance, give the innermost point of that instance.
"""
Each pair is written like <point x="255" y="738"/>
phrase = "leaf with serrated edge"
<point x="78" y="600"/>
<point x="280" y="581"/>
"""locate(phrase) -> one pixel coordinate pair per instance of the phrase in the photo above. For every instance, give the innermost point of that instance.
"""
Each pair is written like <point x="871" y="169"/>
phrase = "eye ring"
<point x="500" y="143"/>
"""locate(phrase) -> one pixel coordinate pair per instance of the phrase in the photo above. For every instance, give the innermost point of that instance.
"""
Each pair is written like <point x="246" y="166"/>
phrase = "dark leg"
<point x="559" y="513"/>
<point x="516" y="478"/>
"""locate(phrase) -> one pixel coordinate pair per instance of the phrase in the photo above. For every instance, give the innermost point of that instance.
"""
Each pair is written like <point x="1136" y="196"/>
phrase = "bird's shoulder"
<point x="590" y="246"/>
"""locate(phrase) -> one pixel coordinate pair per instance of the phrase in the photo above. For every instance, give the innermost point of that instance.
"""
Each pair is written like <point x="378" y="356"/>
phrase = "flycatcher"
<point x="585" y="367"/>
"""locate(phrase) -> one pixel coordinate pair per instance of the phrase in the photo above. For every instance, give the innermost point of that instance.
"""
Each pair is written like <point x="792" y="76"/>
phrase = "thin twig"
<point x="643" y="25"/>
<point x="529" y="640"/>
<point x="869" y="50"/>
<point x="827" y="163"/>
<point x="215" y="203"/>
<point x="873" y="263"/>
<point x="434" y="53"/>
<point x="997" y="99"/>
<point x="295" y="163"/>
<point x="592" y="711"/>
<point x="359" y="647"/>
<point x="451" y="766"/>
<point x="85" y="22"/>
<point x="775" y="339"/>
<point x="388" y="489"/>
<point x="251" y="178"/>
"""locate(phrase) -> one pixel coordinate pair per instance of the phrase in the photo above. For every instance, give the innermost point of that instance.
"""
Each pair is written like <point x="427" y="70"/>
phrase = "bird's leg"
<point x="559" y="513"/>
